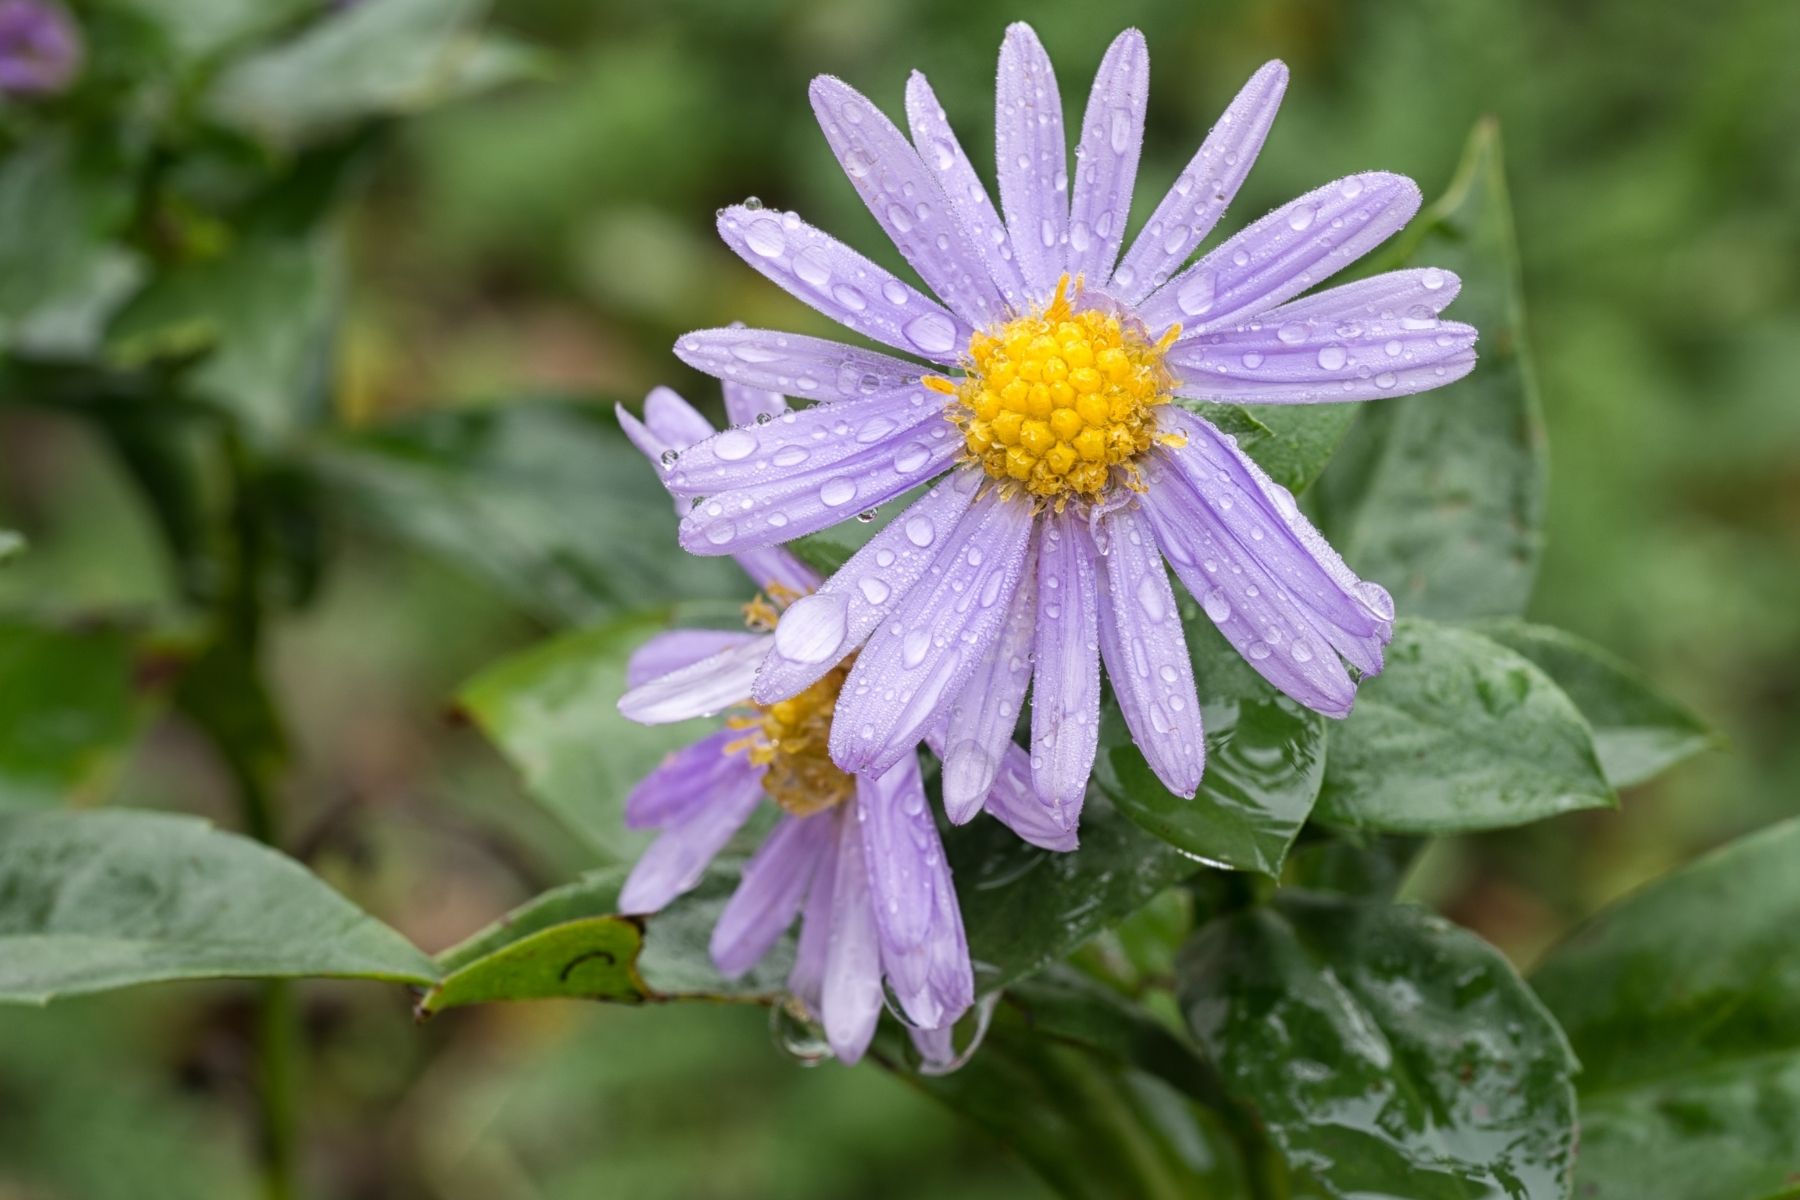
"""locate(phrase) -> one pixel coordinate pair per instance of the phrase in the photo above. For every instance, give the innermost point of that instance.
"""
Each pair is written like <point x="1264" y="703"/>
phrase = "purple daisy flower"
<point x="40" y="49"/>
<point x="857" y="858"/>
<point x="1068" y="476"/>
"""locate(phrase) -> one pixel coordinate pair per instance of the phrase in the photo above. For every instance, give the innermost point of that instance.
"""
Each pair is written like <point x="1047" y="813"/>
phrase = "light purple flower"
<point x="1068" y="478"/>
<point x="40" y="48"/>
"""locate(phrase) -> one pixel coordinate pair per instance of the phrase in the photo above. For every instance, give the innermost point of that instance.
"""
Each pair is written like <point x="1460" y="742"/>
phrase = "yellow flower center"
<point x="1053" y="402"/>
<point x="792" y="737"/>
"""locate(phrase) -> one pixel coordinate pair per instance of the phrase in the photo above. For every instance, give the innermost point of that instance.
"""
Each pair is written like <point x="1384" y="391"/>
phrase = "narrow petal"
<point x="1324" y="359"/>
<point x="676" y="860"/>
<point x="850" y="993"/>
<point x="667" y="652"/>
<point x="1146" y="652"/>
<point x="744" y="404"/>
<point x="683" y="781"/>
<point x="1033" y="160"/>
<point x="985" y="711"/>
<point x="1387" y="296"/>
<point x="1016" y="804"/>
<point x="1201" y="192"/>
<point x="1298" y="245"/>
<point x="670" y="423"/>
<point x="808" y="367"/>
<point x="807" y="979"/>
<point x="699" y="689"/>
<point x="775" y="883"/>
<point x="1106" y="160"/>
<point x="907" y="202"/>
<point x="772" y="567"/>
<point x="913" y="666"/>
<point x="817" y="631"/>
<point x="780" y="510"/>
<point x="823" y="272"/>
<point x="943" y="156"/>
<point x="799" y="441"/>
<point x="1065" y="695"/>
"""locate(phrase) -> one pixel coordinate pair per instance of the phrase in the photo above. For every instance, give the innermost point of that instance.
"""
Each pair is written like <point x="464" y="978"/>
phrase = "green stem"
<point x="277" y="1070"/>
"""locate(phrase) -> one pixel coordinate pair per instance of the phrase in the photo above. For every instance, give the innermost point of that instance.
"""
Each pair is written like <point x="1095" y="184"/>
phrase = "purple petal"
<point x="1033" y="160"/>
<point x="676" y="860"/>
<point x="913" y="666"/>
<point x="1106" y="161"/>
<point x="775" y="882"/>
<point x="699" y="689"/>
<point x="850" y="993"/>
<point x="817" y="631"/>
<point x="772" y="567"/>
<point x="1387" y="296"/>
<point x="807" y="979"/>
<point x="683" y="781"/>
<point x="1324" y="359"/>
<point x="1146" y="652"/>
<point x="907" y="202"/>
<point x="1198" y="199"/>
<point x="982" y="717"/>
<point x="943" y="156"/>
<point x="744" y="404"/>
<point x="1065" y="696"/>
<point x="808" y="367"/>
<point x="823" y="272"/>
<point x="1302" y="242"/>
<point x="799" y="441"/>
<point x="1016" y="804"/>
<point x="666" y="652"/>
<point x="779" y="510"/>
<point x="670" y="423"/>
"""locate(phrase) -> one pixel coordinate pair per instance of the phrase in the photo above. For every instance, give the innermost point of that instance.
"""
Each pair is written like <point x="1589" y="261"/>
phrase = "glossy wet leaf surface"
<point x="1458" y="733"/>
<point x="1386" y="1052"/>
<point x="1265" y="763"/>
<point x="1683" y="1001"/>
<point x="1440" y="496"/>
<point x="97" y="900"/>
<point x="68" y="710"/>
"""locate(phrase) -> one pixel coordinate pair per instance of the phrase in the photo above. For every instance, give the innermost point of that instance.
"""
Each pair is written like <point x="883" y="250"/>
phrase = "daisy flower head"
<point x="856" y="857"/>
<point x="1042" y="390"/>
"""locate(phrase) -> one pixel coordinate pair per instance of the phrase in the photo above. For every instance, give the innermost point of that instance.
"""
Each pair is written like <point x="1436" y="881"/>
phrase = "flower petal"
<point x="808" y="367"/>
<point x="821" y="271"/>
<point x="1106" y="161"/>
<point x="676" y="860"/>
<point x="1294" y="247"/>
<point x="683" y="781"/>
<point x="907" y="202"/>
<point x="1324" y="359"/>
<point x="745" y="404"/>
<point x="1146" y="652"/>
<point x="773" y="567"/>
<point x="985" y="711"/>
<point x="1065" y="696"/>
<point x="1202" y="190"/>
<point x="850" y="992"/>
<point x="670" y="423"/>
<point x="1032" y="159"/>
<point x="913" y="667"/>
<point x="775" y="883"/>
<point x="817" y="631"/>
<point x="943" y="156"/>
<point x="677" y="648"/>
<point x="1386" y="296"/>
<point x="1016" y="804"/>
<point x="807" y="978"/>
<point x="699" y="689"/>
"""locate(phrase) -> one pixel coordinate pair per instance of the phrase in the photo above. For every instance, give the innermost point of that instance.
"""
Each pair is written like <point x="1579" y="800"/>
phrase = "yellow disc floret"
<point x="1055" y="401"/>
<point x="792" y="739"/>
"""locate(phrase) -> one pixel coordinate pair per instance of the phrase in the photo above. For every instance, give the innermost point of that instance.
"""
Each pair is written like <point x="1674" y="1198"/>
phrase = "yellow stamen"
<point x="792" y="739"/>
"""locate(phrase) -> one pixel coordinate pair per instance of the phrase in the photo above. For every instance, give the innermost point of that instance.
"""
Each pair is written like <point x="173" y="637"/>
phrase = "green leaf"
<point x="1292" y="442"/>
<point x="545" y="501"/>
<point x="378" y="58"/>
<point x="554" y="711"/>
<point x="1458" y="733"/>
<point x="572" y="942"/>
<point x="96" y="900"/>
<point x="197" y="29"/>
<point x="1383" y="1048"/>
<point x="1265" y="761"/>
<point x="1683" y="1002"/>
<point x="1638" y="733"/>
<point x="1441" y="496"/>
<point x="67" y="710"/>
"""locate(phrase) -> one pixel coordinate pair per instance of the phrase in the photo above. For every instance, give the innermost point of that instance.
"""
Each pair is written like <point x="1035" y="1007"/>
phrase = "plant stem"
<point x="277" y="1066"/>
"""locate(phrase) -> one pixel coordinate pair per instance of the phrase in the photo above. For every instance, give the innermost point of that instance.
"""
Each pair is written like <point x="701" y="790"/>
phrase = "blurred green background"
<point x="556" y="236"/>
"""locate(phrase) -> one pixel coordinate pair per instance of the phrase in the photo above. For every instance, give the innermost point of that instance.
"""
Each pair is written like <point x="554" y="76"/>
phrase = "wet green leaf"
<point x="1683" y="1002"/>
<point x="96" y="900"/>
<point x="1458" y="733"/>
<point x="1265" y="761"/>
<point x="1440" y="496"/>
<point x="545" y="501"/>
<point x="1385" y="1051"/>
<point x="1638" y="733"/>
<point x="67" y="710"/>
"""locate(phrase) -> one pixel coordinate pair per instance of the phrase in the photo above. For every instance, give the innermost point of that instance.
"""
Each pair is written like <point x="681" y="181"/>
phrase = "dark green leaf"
<point x="1637" y="733"/>
<point x="1385" y="1051"/>
<point x="1441" y="496"/>
<point x="1458" y="733"/>
<point x="67" y="710"/>
<point x="96" y="900"/>
<point x="196" y="29"/>
<point x="1265" y="760"/>
<point x="1357" y="864"/>
<point x="545" y="501"/>
<point x="1683" y="1002"/>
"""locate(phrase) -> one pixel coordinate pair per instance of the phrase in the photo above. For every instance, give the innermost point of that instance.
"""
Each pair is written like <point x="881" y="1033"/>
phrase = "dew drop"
<point x="920" y="531"/>
<point x="764" y="237"/>
<point x="837" y="492"/>
<point x="733" y="445"/>
<point x="1332" y="358"/>
<point x="932" y="333"/>
<point x="1217" y="605"/>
